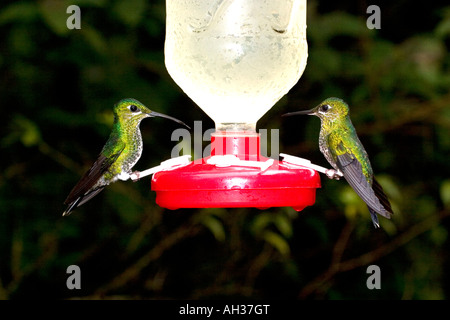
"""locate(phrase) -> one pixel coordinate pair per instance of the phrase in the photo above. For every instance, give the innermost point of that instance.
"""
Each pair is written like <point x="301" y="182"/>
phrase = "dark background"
<point x="57" y="89"/>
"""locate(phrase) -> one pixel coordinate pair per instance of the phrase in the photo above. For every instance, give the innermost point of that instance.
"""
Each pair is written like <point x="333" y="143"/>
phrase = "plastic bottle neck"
<point x="244" y="145"/>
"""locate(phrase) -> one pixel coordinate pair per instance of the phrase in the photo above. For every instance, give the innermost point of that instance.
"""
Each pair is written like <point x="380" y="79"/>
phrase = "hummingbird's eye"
<point x="325" y="107"/>
<point x="133" y="108"/>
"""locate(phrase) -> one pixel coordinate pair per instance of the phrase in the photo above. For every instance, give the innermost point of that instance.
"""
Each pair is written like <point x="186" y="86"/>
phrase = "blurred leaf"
<point x="55" y="15"/>
<point x="130" y="12"/>
<point x="23" y="130"/>
<point x="90" y="3"/>
<point x="442" y="130"/>
<point x="126" y="207"/>
<point x="445" y="193"/>
<point x="281" y="221"/>
<point x="215" y="226"/>
<point x="95" y="40"/>
<point x="318" y="227"/>
<point x="352" y="202"/>
<point x="442" y="30"/>
<point x="210" y="218"/>
<point x="421" y="67"/>
<point x="260" y="222"/>
<point x="21" y="42"/>
<point x="439" y="235"/>
<point x="336" y="23"/>
<point x="328" y="60"/>
<point x="424" y="206"/>
<point x="263" y="223"/>
<point x="284" y="225"/>
<point x="277" y="241"/>
<point x="19" y="12"/>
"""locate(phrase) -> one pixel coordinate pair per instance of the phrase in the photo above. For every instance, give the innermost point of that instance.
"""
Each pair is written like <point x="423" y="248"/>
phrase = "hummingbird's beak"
<point x="161" y="115"/>
<point x="303" y="112"/>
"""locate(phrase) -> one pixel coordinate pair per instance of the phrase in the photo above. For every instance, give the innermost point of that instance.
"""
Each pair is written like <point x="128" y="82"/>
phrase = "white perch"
<point x="330" y="173"/>
<point x="232" y="160"/>
<point x="165" y="165"/>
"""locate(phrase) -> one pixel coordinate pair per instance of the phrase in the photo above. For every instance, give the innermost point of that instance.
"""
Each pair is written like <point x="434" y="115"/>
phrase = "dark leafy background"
<point x="57" y="89"/>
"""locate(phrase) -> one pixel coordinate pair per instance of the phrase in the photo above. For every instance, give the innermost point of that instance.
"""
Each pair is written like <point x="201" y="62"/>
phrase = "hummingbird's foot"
<point x="135" y="176"/>
<point x="333" y="174"/>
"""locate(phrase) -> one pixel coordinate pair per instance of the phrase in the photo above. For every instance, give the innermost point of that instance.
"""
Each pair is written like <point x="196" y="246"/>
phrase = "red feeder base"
<point x="203" y="185"/>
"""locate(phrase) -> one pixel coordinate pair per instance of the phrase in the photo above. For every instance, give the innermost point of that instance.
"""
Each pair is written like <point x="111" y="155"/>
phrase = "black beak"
<point x="303" y="112"/>
<point x="161" y="115"/>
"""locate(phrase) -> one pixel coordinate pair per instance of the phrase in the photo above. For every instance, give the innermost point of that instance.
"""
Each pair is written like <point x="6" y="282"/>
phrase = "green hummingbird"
<point x="120" y="153"/>
<point x="342" y="148"/>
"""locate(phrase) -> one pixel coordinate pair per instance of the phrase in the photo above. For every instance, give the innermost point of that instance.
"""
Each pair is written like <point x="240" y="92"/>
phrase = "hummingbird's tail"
<point x="70" y="207"/>
<point x="374" y="217"/>
<point x="80" y="200"/>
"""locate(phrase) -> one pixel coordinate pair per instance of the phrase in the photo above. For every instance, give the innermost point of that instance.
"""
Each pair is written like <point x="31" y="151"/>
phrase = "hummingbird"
<point x="118" y="156"/>
<point x="342" y="148"/>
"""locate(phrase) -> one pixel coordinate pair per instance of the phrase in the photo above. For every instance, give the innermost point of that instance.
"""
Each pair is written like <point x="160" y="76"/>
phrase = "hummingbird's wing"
<point x="352" y="169"/>
<point x="83" y="190"/>
<point x="379" y="192"/>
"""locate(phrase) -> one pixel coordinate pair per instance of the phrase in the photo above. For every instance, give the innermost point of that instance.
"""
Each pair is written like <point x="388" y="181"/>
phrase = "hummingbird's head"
<point x="131" y="111"/>
<point x="329" y="110"/>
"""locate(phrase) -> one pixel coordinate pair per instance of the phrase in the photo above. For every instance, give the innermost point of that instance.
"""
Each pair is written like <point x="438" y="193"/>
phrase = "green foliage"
<point x="57" y="89"/>
<point x="210" y="218"/>
<point x="262" y="225"/>
<point x="445" y="193"/>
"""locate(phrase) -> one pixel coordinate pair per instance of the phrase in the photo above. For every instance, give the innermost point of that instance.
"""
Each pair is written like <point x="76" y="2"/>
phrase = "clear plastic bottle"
<point x="236" y="58"/>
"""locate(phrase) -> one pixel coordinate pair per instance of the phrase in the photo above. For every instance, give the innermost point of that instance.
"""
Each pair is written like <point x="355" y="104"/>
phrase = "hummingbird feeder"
<point x="236" y="59"/>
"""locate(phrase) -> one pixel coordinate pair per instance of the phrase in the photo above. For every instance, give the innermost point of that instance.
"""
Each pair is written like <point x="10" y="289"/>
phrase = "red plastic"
<point x="203" y="185"/>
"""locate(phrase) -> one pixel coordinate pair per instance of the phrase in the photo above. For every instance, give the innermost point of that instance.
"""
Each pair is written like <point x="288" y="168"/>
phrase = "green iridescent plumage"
<point x="342" y="148"/>
<point x="120" y="153"/>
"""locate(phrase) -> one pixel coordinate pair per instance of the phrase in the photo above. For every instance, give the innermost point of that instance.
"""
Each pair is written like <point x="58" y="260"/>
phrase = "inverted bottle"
<point x="236" y="58"/>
